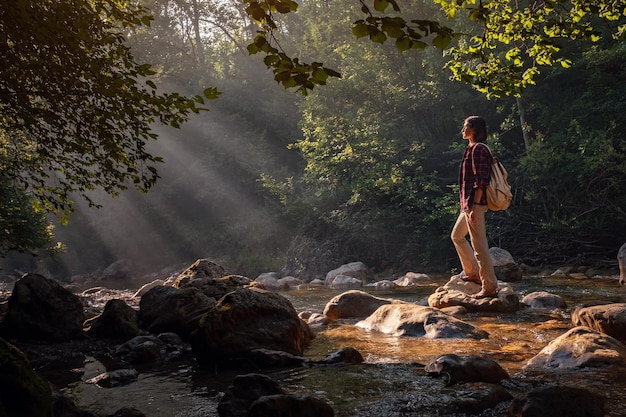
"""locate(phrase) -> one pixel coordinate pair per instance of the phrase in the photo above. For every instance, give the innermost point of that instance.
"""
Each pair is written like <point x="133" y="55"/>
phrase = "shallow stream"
<point x="392" y="381"/>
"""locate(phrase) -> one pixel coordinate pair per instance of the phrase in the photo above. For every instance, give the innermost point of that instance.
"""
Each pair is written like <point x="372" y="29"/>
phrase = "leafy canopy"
<point x="76" y="110"/>
<point x="500" y="55"/>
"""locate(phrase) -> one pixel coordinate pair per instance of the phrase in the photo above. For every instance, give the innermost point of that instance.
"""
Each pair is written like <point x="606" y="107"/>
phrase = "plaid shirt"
<point x="474" y="172"/>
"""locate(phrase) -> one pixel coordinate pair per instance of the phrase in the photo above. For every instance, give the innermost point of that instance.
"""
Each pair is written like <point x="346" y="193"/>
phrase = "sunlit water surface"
<point x="392" y="382"/>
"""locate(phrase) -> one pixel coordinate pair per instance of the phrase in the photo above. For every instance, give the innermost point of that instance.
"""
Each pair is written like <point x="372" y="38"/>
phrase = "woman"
<point x="474" y="175"/>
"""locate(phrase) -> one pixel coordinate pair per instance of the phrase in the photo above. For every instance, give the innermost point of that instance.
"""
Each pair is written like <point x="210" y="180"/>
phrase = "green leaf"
<point x="381" y="5"/>
<point x="441" y="41"/>
<point x="403" y="43"/>
<point x="360" y="30"/>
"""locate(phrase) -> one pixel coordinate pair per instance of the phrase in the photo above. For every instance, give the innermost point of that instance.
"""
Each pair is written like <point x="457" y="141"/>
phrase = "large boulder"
<point x="118" y="320"/>
<point x="23" y="392"/>
<point x="580" y="347"/>
<point x="211" y="278"/>
<point x="353" y="304"/>
<point x="248" y="319"/>
<point x="457" y="292"/>
<point x="419" y="321"/>
<point x="168" y="309"/>
<point x="607" y="318"/>
<point x="202" y="268"/>
<point x="41" y="309"/>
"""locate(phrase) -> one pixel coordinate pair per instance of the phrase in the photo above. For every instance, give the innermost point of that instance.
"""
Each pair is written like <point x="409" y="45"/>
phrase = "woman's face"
<point x="467" y="131"/>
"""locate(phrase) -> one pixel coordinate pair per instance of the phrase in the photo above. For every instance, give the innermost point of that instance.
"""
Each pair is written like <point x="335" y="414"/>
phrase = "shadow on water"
<point x="392" y="381"/>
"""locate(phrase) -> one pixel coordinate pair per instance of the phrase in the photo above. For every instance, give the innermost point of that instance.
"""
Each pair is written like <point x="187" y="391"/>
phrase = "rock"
<point x="580" y="347"/>
<point x="202" y="268"/>
<point x="345" y="282"/>
<point x="558" y="401"/>
<point x="244" y="390"/>
<point x="41" y="309"/>
<point x="169" y="309"/>
<point x="466" y="369"/>
<point x="344" y="355"/>
<point x="353" y="304"/>
<point x="477" y="397"/>
<point x="504" y="265"/>
<point x="126" y="412"/>
<point x="456" y="292"/>
<point x="257" y="395"/>
<point x="65" y="407"/>
<point x="384" y="284"/>
<point x="290" y="282"/>
<point x="117" y="271"/>
<point x="419" y="321"/>
<point x="117" y="321"/>
<point x="146" y="287"/>
<point x="260" y="358"/>
<point x="117" y="378"/>
<point x="23" y="392"/>
<point x="247" y="319"/>
<point x="608" y="318"/>
<point x="410" y="279"/>
<point x="141" y="349"/>
<point x="353" y="269"/>
<point x="269" y="281"/>
<point x="283" y="405"/>
<point x="545" y="300"/>
<point x="215" y="287"/>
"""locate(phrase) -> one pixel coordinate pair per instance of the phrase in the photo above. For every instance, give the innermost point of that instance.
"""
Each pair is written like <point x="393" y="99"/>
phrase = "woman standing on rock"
<point x="474" y="175"/>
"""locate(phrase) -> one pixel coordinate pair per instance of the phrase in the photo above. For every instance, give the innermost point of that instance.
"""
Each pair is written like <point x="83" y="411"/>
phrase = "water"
<point x="392" y="381"/>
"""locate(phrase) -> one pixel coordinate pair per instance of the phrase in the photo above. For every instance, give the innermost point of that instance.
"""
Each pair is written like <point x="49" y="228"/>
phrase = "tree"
<point x="501" y="55"/>
<point x="77" y="109"/>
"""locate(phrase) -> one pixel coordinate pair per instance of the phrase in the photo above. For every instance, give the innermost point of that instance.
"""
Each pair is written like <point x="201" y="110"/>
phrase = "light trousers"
<point x="475" y="258"/>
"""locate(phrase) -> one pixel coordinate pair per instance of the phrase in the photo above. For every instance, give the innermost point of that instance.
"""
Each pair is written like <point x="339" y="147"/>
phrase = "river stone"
<point x="117" y="321"/>
<point x="580" y="347"/>
<point x="457" y="292"/>
<point x="248" y="319"/>
<point x="244" y="390"/>
<point x="41" y="309"/>
<point x="353" y="304"/>
<point x="285" y="405"/>
<point x="345" y="282"/>
<point x="466" y="369"/>
<point x="504" y="265"/>
<point x="608" y="318"/>
<point x="410" y="279"/>
<point x="476" y="398"/>
<point x="419" y="321"/>
<point x="169" y="309"/>
<point x="23" y="392"/>
<point x="544" y="299"/>
<point x="353" y="269"/>
<point x="558" y="401"/>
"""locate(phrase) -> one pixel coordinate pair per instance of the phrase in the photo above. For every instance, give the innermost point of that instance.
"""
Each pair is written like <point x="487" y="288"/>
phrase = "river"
<point x="392" y="381"/>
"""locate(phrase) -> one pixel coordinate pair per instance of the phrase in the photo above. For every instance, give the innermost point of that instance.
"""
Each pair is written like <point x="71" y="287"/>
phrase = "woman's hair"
<point x="480" y="128"/>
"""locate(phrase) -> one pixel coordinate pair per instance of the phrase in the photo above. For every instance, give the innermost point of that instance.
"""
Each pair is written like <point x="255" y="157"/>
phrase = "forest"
<point x="359" y="162"/>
